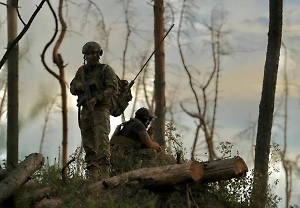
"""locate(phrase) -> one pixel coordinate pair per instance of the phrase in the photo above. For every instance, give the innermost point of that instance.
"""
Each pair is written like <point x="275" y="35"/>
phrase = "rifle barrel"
<point x="152" y="54"/>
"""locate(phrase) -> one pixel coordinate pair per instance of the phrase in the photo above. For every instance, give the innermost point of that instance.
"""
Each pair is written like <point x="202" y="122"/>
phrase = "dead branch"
<point x="63" y="170"/>
<point x="50" y="42"/>
<point x="22" y="33"/>
<point x="47" y="115"/>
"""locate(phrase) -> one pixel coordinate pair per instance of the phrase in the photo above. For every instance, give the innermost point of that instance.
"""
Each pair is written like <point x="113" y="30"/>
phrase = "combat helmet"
<point x="92" y="46"/>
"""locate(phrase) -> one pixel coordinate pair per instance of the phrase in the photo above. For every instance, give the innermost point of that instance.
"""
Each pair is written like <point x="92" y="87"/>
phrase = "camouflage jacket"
<point x="101" y="76"/>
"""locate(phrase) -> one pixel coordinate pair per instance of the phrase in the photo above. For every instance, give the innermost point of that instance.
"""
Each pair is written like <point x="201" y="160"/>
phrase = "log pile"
<point x="169" y="175"/>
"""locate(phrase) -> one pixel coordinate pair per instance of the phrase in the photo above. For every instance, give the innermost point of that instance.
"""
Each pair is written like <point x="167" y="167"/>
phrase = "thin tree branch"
<point x="20" y="18"/>
<point x="47" y="115"/>
<point x="22" y="33"/>
<point x="49" y="43"/>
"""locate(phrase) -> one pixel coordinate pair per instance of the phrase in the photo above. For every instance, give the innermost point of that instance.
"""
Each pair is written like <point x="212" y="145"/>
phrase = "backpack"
<point x="120" y="140"/>
<point x="121" y="101"/>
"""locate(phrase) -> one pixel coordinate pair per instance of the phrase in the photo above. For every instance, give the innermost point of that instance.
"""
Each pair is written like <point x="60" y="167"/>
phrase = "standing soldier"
<point x="95" y="84"/>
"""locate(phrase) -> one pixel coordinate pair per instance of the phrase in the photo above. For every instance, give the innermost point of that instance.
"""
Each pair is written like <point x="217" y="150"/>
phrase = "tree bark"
<point x="3" y="174"/>
<point x="266" y="107"/>
<point x="57" y="59"/>
<point x="49" y="203"/>
<point x="156" y="176"/>
<point x="12" y="87"/>
<point x="224" y="169"/>
<point x="159" y="83"/>
<point x="10" y="184"/>
<point x="34" y="197"/>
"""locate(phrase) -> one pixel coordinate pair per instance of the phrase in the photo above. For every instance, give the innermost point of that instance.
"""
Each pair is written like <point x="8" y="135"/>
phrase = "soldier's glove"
<point x="79" y="87"/>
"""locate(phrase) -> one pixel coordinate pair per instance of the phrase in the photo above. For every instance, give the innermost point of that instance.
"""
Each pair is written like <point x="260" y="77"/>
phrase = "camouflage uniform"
<point x="95" y="125"/>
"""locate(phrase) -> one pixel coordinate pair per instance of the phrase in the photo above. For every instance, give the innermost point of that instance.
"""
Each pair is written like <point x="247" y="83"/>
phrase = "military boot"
<point x="93" y="173"/>
<point x="104" y="172"/>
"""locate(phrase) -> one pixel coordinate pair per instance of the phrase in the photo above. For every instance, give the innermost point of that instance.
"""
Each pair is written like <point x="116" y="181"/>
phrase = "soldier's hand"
<point x="79" y="87"/>
<point x="158" y="148"/>
<point x="92" y="103"/>
<point x="151" y="130"/>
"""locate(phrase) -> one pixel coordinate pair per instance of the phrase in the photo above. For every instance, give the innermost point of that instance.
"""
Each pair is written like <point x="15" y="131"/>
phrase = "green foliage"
<point x="233" y="193"/>
<point x="237" y="192"/>
<point x="174" y="143"/>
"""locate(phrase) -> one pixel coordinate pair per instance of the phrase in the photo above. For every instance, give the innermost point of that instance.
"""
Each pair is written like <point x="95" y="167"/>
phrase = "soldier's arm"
<point x="111" y="82"/>
<point x="76" y="85"/>
<point x="145" y="138"/>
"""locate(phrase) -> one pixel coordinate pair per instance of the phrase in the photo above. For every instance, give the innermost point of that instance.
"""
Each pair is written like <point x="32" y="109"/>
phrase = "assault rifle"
<point x="87" y="96"/>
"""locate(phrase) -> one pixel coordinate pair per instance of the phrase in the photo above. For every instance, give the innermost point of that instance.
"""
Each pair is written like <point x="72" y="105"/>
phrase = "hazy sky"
<point x="241" y="76"/>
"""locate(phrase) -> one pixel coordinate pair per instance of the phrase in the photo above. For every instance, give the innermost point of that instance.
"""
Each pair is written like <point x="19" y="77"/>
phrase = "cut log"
<point x="224" y="169"/>
<point x="156" y="176"/>
<point x="33" y="197"/>
<point x="11" y="183"/>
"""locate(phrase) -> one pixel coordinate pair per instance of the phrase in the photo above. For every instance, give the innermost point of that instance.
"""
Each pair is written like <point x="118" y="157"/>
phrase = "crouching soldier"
<point x="132" y="144"/>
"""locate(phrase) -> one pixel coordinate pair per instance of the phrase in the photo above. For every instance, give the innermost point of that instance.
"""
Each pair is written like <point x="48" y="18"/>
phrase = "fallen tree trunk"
<point x="156" y="176"/>
<point x="224" y="169"/>
<point x="12" y="182"/>
<point x="34" y="197"/>
<point x="49" y="203"/>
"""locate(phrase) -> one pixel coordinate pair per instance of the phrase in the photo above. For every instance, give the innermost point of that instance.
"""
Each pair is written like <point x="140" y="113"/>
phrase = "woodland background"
<point x="227" y="36"/>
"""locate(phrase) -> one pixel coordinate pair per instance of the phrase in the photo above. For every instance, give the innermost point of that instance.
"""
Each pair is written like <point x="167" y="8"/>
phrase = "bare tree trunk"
<point x="12" y="87"/>
<point x="266" y="107"/>
<point x="159" y="83"/>
<point x="57" y="59"/>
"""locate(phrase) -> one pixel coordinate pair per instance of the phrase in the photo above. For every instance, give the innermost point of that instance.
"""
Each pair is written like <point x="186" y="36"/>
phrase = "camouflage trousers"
<point x="95" y="128"/>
